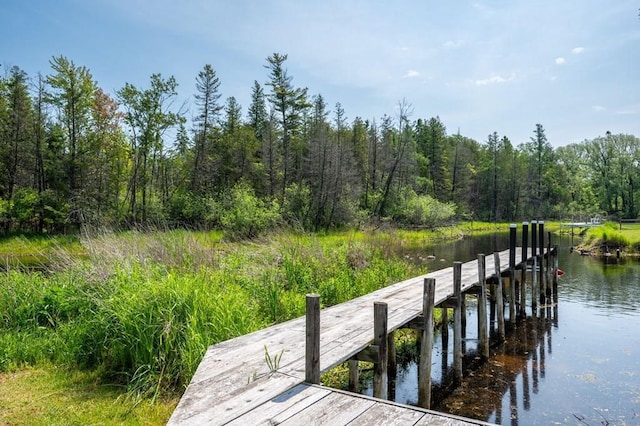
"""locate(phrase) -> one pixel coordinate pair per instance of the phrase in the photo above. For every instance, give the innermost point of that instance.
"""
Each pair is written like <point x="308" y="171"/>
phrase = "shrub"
<point x="244" y="215"/>
<point x="423" y="210"/>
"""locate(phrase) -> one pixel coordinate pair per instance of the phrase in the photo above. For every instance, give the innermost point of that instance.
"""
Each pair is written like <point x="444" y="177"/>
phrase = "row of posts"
<point x="382" y="351"/>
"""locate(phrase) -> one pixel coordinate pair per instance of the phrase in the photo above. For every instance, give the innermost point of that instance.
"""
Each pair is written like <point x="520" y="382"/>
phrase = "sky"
<point x="482" y="66"/>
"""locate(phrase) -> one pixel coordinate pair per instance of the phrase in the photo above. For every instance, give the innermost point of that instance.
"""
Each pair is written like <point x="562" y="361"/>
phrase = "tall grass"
<point x="142" y="308"/>
<point x="608" y="234"/>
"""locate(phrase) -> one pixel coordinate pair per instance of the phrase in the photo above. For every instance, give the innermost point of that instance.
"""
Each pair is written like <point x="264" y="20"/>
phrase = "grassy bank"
<point x="130" y="315"/>
<point x="611" y="236"/>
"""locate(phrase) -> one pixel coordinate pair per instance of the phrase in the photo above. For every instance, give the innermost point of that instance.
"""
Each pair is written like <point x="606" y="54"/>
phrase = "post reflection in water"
<point x="519" y="362"/>
<point x="583" y="365"/>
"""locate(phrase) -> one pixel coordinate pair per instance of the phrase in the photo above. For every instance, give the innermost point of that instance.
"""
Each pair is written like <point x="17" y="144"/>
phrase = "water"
<point x="575" y="362"/>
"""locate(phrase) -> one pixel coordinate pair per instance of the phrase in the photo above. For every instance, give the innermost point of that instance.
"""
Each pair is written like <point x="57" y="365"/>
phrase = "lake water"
<point x="575" y="362"/>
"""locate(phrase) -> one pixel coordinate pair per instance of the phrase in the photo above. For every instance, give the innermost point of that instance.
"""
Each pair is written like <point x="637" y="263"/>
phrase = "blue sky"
<point x="481" y="66"/>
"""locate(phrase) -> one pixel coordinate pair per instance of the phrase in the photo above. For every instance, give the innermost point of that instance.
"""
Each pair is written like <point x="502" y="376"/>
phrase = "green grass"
<point x="47" y="395"/>
<point x="136" y="311"/>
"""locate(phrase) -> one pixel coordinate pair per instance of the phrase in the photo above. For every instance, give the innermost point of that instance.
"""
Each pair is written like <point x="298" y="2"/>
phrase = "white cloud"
<point x="495" y="79"/>
<point x="598" y="108"/>
<point x="560" y="60"/>
<point x="411" y="74"/>
<point x="577" y="50"/>
<point x="450" y="44"/>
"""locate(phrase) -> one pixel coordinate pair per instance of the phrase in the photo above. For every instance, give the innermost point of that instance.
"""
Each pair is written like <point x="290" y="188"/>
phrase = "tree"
<point x="208" y="86"/>
<point x="540" y="177"/>
<point x="431" y="140"/>
<point x="18" y="133"/>
<point x="401" y="147"/>
<point x="148" y="115"/>
<point x="288" y="102"/>
<point x="72" y="93"/>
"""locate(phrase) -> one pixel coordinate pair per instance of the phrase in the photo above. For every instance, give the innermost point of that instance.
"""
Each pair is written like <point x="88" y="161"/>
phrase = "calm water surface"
<point x="574" y="362"/>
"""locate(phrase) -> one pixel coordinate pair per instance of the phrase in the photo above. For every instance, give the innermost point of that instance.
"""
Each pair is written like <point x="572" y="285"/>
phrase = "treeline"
<point x="72" y="154"/>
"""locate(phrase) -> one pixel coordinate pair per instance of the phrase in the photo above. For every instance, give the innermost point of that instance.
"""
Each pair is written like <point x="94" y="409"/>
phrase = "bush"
<point x="244" y="215"/>
<point x="423" y="210"/>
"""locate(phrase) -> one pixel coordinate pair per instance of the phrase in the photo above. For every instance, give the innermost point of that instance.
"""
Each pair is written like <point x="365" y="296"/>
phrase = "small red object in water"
<point x="560" y="272"/>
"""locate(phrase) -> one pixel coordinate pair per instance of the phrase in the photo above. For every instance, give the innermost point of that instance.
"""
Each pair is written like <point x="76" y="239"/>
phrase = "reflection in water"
<point x="580" y="367"/>
<point x="514" y="371"/>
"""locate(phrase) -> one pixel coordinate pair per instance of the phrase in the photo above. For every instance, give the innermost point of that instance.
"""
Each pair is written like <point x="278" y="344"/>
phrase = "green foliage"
<point x="244" y="215"/>
<point x="423" y="210"/>
<point x="142" y="308"/>
<point x="607" y="234"/>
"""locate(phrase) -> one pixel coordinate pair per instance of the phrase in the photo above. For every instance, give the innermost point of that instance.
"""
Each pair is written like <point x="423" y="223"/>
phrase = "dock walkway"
<point x="233" y="382"/>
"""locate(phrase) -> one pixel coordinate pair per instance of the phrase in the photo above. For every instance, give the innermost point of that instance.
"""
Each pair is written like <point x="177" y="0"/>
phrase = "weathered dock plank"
<point x="233" y="378"/>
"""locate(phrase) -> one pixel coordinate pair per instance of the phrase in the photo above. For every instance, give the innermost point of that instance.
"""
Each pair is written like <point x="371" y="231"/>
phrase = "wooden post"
<point x="457" y="322"/>
<point x="512" y="295"/>
<point x="354" y="375"/>
<point x="312" y="353"/>
<point x="555" y="273"/>
<point x="499" y="301"/>
<point x="380" y="311"/>
<point x="444" y="332"/>
<point x="534" y="253"/>
<point x="426" y="347"/>
<point x="534" y="240"/>
<point x="549" y="267"/>
<point x="483" y="333"/>
<point x="525" y="241"/>
<point x="523" y="271"/>
<point x="513" y="230"/>
<point x="392" y="368"/>
<point x="534" y="286"/>
<point x="541" y="277"/>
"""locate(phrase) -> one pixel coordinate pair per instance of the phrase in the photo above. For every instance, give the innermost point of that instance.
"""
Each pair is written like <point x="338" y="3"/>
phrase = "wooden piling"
<point x="426" y="347"/>
<point x="555" y="273"/>
<point x="513" y="230"/>
<point x="523" y="270"/>
<point x="380" y="319"/>
<point x="512" y="296"/>
<point x="541" y="275"/>
<point x="483" y="333"/>
<point x="499" y="300"/>
<point x="354" y="375"/>
<point x="392" y="366"/>
<point x="457" y="322"/>
<point x="534" y="286"/>
<point x="312" y="351"/>
<point x="548" y="269"/>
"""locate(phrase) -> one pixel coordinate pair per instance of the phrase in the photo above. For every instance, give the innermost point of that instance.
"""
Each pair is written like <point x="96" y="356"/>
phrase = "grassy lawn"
<point x="47" y="395"/>
<point x="611" y="234"/>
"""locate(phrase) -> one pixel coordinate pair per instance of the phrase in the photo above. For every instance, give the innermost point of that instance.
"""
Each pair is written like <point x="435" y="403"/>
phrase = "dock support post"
<point x="549" y="268"/>
<point x="354" y="375"/>
<point x="380" y="311"/>
<point x="426" y="347"/>
<point x="512" y="296"/>
<point x="523" y="271"/>
<point x="457" y="322"/>
<point x="555" y="273"/>
<point x="483" y="333"/>
<point x="312" y="352"/>
<point x="499" y="300"/>
<point x="534" y="285"/>
<point x="513" y="229"/>
<point x="392" y="368"/>
<point x="444" y="335"/>
<point x="534" y="272"/>
<point x="541" y="275"/>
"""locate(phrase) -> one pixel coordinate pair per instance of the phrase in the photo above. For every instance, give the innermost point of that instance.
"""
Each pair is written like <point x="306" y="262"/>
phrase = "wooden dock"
<point x="234" y="383"/>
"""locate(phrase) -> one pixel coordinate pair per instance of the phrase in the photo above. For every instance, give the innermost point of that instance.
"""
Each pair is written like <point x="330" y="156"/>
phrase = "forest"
<point x="73" y="155"/>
